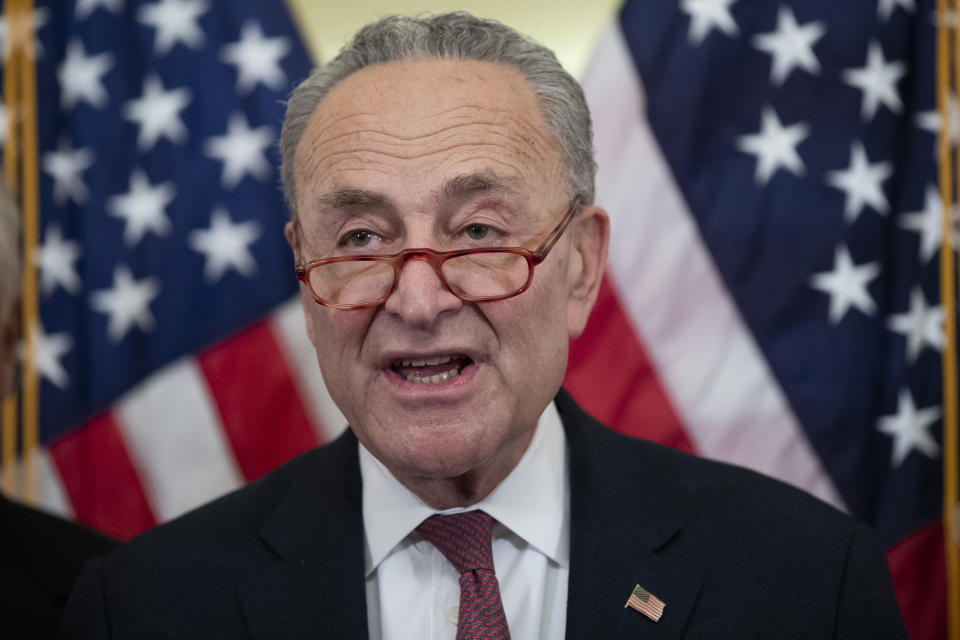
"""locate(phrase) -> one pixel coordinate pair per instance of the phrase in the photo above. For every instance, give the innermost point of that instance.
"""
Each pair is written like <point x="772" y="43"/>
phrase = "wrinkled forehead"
<point x="421" y="122"/>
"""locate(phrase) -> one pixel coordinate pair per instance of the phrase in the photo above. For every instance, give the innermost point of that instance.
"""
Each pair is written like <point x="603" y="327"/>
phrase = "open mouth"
<point x="435" y="370"/>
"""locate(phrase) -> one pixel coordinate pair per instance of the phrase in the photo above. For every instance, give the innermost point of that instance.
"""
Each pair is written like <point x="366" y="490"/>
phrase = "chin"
<point x="447" y="455"/>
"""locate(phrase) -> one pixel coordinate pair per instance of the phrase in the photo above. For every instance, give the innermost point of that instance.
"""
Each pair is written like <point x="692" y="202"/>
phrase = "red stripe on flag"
<point x="100" y="479"/>
<point x="918" y="568"/>
<point x="263" y="416"/>
<point x="611" y="378"/>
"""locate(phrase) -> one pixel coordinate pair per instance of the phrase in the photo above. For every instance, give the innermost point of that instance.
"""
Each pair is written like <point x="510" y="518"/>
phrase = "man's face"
<point x="446" y="155"/>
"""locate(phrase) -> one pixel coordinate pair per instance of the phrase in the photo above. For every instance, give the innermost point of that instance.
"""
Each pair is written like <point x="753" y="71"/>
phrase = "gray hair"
<point x="9" y="251"/>
<point x="458" y="36"/>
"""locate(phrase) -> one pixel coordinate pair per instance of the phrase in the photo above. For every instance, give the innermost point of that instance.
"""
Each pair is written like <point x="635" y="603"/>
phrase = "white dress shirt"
<point x="413" y="592"/>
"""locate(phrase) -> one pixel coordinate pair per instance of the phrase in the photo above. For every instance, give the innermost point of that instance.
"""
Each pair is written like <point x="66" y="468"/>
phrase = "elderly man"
<point x="440" y="176"/>
<point x="40" y="555"/>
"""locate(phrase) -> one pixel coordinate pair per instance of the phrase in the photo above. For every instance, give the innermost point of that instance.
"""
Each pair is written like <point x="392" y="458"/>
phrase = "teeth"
<point x="435" y="379"/>
<point x="428" y="361"/>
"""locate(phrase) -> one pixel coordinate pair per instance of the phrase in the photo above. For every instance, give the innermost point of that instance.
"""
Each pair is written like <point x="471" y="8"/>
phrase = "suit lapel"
<point x="315" y="589"/>
<point x="620" y="530"/>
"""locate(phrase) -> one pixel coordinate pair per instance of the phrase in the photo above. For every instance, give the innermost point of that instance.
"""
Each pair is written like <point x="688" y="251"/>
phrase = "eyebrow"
<point x="455" y="191"/>
<point x="465" y="186"/>
<point x="350" y="197"/>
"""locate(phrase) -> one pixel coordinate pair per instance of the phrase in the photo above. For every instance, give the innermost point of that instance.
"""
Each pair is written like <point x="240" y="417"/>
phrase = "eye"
<point x="477" y="231"/>
<point x="358" y="238"/>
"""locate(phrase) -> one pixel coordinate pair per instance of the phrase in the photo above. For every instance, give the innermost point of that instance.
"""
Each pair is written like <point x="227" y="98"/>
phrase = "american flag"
<point x="770" y="172"/>
<point x="168" y="342"/>
<point x="646" y="603"/>
<point x="771" y="298"/>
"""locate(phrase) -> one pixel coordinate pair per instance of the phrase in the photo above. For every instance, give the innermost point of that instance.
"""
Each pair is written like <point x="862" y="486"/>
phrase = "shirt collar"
<point x="532" y="501"/>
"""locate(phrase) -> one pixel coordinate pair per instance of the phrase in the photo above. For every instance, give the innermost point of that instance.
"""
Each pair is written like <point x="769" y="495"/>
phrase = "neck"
<point x="447" y="493"/>
<point x="468" y="488"/>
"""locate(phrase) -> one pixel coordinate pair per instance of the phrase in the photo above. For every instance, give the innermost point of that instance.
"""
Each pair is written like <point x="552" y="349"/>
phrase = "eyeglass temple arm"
<point x="551" y="239"/>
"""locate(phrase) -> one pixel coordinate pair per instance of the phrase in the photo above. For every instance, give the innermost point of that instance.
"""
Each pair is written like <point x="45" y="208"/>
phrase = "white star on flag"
<point x="256" y="58"/>
<point x="126" y="304"/>
<point x="929" y="224"/>
<point x="242" y="151"/>
<point x="47" y="351"/>
<point x="775" y="146"/>
<point x="910" y="429"/>
<point x="157" y="113"/>
<point x="878" y="82"/>
<point x="886" y="7"/>
<point x="932" y="122"/>
<point x="81" y="76"/>
<point x="922" y="325"/>
<point x="790" y="45"/>
<point x="225" y="245"/>
<point x="14" y="28"/>
<point x="57" y="259"/>
<point x="175" y="21"/>
<point x="706" y="15"/>
<point x="847" y="285"/>
<point x="66" y="166"/>
<point x="142" y="208"/>
<point x="861" y="183"/>
<point x="86" y="7"/>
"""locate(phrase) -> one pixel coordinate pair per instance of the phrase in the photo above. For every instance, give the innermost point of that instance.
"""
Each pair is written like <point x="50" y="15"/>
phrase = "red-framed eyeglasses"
<point x="474" y="275"/>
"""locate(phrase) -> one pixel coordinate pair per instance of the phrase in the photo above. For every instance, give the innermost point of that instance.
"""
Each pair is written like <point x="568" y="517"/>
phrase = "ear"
<point x="9" y="337"/>
<point x="588" y="261"/>
<point x="291" y="232"/>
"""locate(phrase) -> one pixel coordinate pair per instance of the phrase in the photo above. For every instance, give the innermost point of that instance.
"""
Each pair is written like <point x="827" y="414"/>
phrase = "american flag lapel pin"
<point x="646" y="603"/>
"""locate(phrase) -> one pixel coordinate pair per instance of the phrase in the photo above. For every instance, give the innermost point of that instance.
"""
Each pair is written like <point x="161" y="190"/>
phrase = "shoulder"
<point x="724" y="516"/>
<point x="184" y="575"/>
<point x="222" y="540"/>
<point x="58" y="541"/>
<point x="695" y="487"/>
<point x="700" y="488"/>
<point x="235" y="518"/>
<point x="41" y="556"/>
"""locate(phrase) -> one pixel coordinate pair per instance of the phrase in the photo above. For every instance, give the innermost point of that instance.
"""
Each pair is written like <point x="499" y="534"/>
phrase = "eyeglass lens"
<point x="478" y="275"/>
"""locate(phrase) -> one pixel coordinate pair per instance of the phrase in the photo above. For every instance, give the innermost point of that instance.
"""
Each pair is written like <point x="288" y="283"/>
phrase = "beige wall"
<point x="569" y="27"/>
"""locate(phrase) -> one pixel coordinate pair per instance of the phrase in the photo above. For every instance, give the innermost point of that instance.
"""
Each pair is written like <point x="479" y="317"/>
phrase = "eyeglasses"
<point x="475" y="275"/>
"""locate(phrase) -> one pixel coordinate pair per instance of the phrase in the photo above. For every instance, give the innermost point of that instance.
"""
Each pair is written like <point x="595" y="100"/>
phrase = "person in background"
<point x="440" y="177"/>
<point x="40" y="555"/>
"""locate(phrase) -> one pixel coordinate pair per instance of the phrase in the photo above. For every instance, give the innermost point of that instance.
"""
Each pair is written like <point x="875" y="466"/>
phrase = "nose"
<point x="420" y="295"/>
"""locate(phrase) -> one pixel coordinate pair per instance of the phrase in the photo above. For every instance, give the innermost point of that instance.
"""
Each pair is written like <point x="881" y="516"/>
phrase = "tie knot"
<point x="463" y="538"/>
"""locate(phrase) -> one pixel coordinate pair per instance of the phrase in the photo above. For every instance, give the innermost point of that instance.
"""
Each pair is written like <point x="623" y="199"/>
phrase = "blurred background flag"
<point x="771" y="172"/>
<point x="772" y="297"/>
<point x="160" y="236"/>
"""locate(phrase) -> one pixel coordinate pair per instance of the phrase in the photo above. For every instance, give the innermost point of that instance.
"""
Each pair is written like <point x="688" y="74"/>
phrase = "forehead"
<point x="395" y="127"/>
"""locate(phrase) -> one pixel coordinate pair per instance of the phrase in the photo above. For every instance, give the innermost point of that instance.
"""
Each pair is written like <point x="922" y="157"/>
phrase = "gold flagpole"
<point x="11" y="86"/>
<point x="20" y="156"/>
<point x="31" y="213"/>
<point x="947" y="52"/>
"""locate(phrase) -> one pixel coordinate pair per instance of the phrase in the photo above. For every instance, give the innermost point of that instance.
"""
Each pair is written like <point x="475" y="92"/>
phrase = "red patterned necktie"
<point x="465" y="540"/>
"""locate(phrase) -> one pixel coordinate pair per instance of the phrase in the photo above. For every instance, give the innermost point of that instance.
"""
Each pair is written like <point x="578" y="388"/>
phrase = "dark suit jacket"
<point x="731" y="553"/>
<point x="40" y="559"/>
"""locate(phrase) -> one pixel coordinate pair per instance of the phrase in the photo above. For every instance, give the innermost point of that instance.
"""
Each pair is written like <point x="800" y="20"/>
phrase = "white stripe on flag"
<point x="729" y="401"/>
<point x="50" y="494"/>
<point x="176" y="443"/>
<point x="287" y="323"/>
